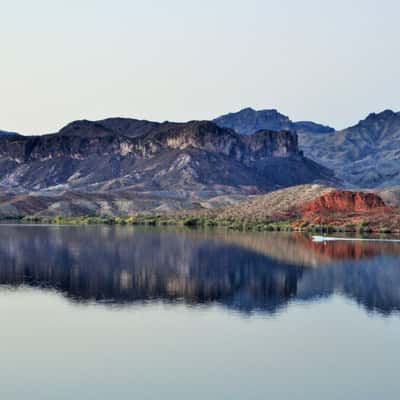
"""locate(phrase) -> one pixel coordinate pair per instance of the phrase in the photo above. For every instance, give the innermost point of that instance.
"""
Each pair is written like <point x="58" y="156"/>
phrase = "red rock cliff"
<point x="343" y="201"/>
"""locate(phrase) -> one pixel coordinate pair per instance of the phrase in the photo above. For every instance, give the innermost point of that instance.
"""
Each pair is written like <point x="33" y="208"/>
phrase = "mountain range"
<point x="166" y="158"/>
<point x="119" y="165"/>
<point x="364" y="155"/>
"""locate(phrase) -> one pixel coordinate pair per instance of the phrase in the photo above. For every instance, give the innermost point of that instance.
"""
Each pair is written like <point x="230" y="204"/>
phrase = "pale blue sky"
<point x="332" y="62"/>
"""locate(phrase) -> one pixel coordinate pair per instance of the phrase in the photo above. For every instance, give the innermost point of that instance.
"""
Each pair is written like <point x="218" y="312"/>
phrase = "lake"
<point x="99" y="312"/>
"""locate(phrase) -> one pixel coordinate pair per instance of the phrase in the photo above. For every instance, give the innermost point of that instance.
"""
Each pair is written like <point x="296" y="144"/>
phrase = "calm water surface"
<point x="116" y="312"/>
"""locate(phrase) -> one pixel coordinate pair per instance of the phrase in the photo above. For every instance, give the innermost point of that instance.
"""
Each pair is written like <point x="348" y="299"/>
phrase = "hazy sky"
<point x="328" y="61"/>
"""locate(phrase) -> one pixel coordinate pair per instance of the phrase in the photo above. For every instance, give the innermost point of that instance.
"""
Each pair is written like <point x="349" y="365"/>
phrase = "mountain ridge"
<point x="366" y="154"/>
<point x="8" y="133"/>
<point x="120" y="153"/>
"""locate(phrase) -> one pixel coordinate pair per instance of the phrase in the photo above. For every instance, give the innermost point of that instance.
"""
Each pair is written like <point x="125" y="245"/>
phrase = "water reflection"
<point x="244" y="272"/>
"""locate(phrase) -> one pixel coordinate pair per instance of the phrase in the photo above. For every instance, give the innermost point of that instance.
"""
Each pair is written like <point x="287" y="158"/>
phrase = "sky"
<point x="328" y="61"/>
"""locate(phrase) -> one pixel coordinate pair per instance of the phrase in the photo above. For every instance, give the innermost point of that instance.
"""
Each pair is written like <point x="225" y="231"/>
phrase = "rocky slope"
<point x="317" y="204"/>
<point x="110" y="203"/>
<point x="391" y="196"/>
<point x="7" y="133"/>
<point x="248" y="121"/>
<point x="365" y="155"/>
<point x="120" y="153"/>
<point x="276" y="205"/>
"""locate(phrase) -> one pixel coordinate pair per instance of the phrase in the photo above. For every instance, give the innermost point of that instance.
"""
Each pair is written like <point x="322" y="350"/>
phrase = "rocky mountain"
<point x="248" y="121"/>
<point x="167" y="158"/>
<point x="7" y="133"/>
<point x="364" y="155"/>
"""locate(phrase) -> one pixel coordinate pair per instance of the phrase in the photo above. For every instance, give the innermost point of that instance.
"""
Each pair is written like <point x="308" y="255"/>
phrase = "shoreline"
<point x="193" y="221"/>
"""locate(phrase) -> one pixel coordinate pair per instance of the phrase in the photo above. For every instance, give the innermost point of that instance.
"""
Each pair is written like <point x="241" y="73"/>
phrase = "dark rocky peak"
<point x="312" y="127"/>
<point x="246" y="110"/>
<point x="7" y="133"/>
<point x="377" y="121"/>
<point x="109" y="127"/>
<point x="248" y="121"/>
<point x="85" y="128"/>
<point x="383" y="115"/>
<point x="268" y="114"/>
<point x="378" y="126"/>
<point x="192" y="129"/>
<point x="129" y="126"/>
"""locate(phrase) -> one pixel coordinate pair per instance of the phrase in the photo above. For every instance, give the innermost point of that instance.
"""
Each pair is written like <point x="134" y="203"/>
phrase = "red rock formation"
<point x="343" y="201"/>
<point x="344" y="208"/>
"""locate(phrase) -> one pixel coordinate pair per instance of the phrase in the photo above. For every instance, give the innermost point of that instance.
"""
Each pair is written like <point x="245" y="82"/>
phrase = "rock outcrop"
<point x="345" y="208"/>
<point x="343" y="201"/>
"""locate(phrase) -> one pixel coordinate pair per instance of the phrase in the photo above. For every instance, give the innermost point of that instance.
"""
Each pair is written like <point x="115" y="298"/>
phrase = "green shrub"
<point x="191" y="221"/>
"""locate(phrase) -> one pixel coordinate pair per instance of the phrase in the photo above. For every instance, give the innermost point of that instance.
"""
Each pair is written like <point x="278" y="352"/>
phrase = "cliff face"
<point x="341" y="208"/>
<point x="343" y="201"/>
<point x="86" y="138"/>
<point x="141" y="155"/>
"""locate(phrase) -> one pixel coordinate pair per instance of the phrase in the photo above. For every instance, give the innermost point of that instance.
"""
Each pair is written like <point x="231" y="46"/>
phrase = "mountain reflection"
<point x="244" y="272"/>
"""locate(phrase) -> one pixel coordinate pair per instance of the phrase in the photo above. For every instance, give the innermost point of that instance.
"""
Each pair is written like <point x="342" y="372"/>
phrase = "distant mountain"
<point x="311" y="127"/>
<point x="121" y="153"/>
<point x="6" y="133"/>
<point x="109" y="127"/>
<point x="248" y="121"/>
<point x="364" y="155"/>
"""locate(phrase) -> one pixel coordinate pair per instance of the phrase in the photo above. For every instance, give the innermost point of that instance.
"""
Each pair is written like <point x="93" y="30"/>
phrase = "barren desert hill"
<point x="277" y="204"/>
